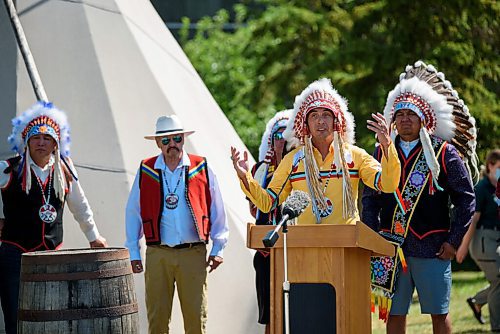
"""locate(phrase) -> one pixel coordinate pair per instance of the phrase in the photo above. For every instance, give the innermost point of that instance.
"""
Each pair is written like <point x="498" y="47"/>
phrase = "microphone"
<point x="293" y="207"/>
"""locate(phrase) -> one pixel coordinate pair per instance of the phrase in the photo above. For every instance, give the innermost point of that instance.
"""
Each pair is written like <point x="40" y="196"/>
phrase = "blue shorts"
<point x="432" y="278"/>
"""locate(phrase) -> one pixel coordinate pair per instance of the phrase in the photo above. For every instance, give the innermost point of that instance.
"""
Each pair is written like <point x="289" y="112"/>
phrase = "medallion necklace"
<point x="47" y="212"/>
<point x="172" y="199"/>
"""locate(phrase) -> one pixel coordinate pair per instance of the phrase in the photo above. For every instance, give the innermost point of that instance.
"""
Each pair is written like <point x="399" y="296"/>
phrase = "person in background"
<point x="36" y="184"/>
<point x="425" y="116"/>
<point x="273" y="148"/>
<point x="483" y="239"/>
<point x="175" y="202"/>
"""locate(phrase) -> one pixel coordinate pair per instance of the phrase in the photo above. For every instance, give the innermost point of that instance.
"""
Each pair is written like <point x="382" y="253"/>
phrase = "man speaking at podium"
<point x="326" y="164"/>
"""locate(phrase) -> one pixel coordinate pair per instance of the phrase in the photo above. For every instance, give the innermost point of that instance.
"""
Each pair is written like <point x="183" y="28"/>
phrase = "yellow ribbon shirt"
<point x="288" y="177"/>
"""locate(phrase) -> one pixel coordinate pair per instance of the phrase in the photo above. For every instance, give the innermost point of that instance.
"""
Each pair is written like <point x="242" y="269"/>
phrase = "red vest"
<point x="197" y="196"/>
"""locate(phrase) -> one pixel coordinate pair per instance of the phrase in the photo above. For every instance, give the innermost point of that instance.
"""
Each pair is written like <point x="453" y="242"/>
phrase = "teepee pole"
<point x="22" y="42"/>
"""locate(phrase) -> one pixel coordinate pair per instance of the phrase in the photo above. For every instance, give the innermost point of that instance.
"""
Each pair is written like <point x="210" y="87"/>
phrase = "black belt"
<point x="186" y="245"/>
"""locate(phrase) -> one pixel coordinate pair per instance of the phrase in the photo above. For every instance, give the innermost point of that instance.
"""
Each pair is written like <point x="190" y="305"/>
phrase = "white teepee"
<point x="114" y="67"/>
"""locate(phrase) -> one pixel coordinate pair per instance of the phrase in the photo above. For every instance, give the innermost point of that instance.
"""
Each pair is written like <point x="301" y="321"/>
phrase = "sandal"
<point x="477" y="313"/>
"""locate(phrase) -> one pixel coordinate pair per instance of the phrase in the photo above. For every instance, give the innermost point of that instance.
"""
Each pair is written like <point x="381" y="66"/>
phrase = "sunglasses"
<point x="166" y="140"/>
<point x="278" y="136"/>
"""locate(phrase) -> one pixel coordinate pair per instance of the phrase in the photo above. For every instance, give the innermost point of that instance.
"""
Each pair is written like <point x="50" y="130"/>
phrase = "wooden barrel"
<point x="77" y="291"/>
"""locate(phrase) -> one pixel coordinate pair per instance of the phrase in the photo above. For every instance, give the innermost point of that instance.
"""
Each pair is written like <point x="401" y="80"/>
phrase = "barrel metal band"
<point x="65" y="256"/>
<point x="77" y="314"/>
<point x="76" y="276"/>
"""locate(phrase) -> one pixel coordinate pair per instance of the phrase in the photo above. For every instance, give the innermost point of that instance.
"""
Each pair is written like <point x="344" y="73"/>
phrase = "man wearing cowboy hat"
<point x="175" y="203"/>
<point x="36" y="185"/>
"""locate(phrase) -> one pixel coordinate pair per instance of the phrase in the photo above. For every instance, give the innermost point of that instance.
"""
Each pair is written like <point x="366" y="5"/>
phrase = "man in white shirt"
<point x="175" y="203"/>
<point x="35" y="186"/>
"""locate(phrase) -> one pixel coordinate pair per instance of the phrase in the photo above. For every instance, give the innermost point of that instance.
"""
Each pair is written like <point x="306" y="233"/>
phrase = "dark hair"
<point x="491" y="159"/>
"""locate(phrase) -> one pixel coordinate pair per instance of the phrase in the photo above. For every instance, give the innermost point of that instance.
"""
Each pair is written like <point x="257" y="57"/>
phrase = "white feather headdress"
<point x="279" y="120"/>
<point x="425" y="91"/>
<point x="42" y="118"/>
<point x="321" y="94"/>
<point x="35" y="118"/>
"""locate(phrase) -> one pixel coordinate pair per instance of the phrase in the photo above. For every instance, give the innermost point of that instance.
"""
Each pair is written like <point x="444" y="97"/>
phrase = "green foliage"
<point x="361" y="45"/>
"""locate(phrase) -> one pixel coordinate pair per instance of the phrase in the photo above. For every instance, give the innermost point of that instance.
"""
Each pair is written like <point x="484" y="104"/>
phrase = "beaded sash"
<point x="385" y="269"/>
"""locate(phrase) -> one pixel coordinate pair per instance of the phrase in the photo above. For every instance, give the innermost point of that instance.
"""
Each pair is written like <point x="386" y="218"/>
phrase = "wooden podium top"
<point x="355" y="235"/>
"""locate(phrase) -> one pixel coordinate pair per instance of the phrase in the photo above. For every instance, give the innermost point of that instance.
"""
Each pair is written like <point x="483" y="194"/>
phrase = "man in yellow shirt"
<point x="324" y="128"/>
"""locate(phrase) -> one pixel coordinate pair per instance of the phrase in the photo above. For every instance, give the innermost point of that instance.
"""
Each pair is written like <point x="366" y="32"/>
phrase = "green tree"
<point x="361" y="45"/>
<point x="460" y="38"/>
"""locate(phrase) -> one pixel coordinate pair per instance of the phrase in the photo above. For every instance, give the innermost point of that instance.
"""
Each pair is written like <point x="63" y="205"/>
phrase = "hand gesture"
<point x="136" y="266"/>
<point x="379" y="126"/>
<point x="240" y="166"/>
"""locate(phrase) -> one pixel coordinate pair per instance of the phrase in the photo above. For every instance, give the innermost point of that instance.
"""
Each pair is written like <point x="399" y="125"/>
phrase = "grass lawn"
<point x="465" y="284"/>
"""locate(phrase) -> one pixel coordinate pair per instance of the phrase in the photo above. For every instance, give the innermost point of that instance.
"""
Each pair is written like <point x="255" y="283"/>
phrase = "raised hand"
<point x="240" y="165"/>
<point x="379" y="126"/>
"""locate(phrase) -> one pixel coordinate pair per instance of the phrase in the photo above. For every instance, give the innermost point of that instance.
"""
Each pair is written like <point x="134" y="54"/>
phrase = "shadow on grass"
<point x="470" y="331"/>
<point x="467" y="280"/>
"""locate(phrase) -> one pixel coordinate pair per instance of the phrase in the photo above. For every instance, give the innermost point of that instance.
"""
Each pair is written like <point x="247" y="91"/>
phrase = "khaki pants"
<point x="166" y="269"/>
<point x="483" y="249"/>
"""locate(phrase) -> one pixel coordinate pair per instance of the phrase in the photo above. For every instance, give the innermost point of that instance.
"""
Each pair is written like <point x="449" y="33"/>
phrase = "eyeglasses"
<point x="278" y="136"/>
<point x="166" y="140"/>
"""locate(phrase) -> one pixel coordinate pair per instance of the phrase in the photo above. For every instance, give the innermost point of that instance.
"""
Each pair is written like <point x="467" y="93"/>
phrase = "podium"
<point x="329" y="274"/>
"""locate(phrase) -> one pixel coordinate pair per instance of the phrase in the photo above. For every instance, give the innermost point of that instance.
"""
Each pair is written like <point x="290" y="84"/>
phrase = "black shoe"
<point x="477" y="313"/>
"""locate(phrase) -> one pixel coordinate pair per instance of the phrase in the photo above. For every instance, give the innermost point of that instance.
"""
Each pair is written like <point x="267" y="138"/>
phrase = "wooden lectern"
<point x="319" y="256"/>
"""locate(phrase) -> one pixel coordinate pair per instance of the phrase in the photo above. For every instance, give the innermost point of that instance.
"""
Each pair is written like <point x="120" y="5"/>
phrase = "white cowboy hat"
<point x="167" y="126"/>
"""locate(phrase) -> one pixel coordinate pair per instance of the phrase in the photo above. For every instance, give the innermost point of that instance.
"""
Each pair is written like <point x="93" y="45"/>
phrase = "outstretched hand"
<point x="239" y="165"/>
<point x="379" y="126"/>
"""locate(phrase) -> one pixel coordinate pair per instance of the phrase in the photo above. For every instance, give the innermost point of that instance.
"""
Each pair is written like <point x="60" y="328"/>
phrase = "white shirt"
<point x="407" y="146"/>
<point x="76" y="200"/>
<point x="177" y="225"/>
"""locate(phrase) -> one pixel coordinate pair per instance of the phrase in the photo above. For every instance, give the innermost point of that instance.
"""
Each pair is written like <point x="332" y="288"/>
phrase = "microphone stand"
<point x="269" y="241"/>
<point x="286" y="283"/>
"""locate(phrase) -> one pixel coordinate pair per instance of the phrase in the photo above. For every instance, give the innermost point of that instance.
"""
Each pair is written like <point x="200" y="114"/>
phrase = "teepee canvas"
<point x="114" y="67"/>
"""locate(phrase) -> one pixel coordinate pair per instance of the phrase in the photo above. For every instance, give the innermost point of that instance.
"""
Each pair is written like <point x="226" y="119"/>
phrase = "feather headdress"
<point x="279" y="120"/>
<point x="266" y="149"/>
<point x="426" y="92"/>
<point x="321" y="94"/>
<point x="42" y="118"/>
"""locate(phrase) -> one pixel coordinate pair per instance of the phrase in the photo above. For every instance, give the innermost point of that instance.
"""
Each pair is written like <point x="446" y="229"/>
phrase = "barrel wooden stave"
<point x="107" y="292"/>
